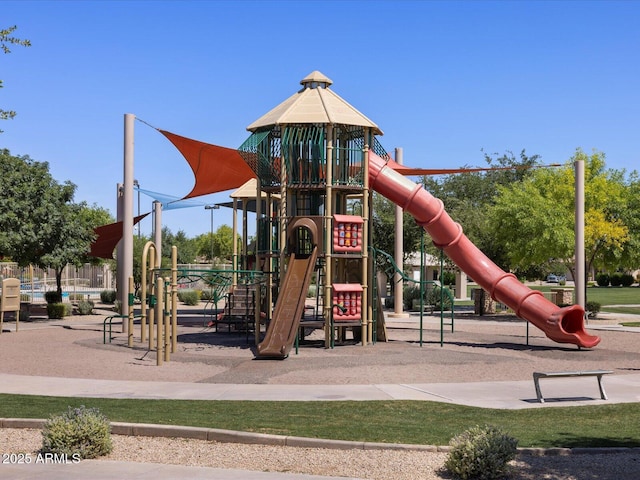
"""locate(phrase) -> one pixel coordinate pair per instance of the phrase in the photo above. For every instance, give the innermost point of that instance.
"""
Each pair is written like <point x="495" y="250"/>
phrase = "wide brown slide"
<point x="283" y="328"/>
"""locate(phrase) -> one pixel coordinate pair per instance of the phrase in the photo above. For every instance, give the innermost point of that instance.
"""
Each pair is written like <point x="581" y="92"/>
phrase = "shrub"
<point x="25" y="297"/>
<point x="410" y="293"/>
<point x="52" y="296"/>
<point x="592" y="308"/>
<point x="57" y="310"/>
<point x="189" y="297"/>
<point x="433" y="298"/>
<point x="79" y="432"/>
<point x="448" y="278"/>
<point x="615" y="279"/>
<point x="602" y="279"/>
<point x="481" y="453"/>
<point x="108" y="296"/>
<point x="627" y="279"/>
<point x="206" y="295"/>
<point x="85" y="307"/>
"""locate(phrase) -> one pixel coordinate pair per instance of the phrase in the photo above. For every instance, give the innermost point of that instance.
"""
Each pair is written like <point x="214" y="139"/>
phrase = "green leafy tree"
<point x="7" y="39"/>
<point x="39" y="223"/>
<point x="222" y="241"/>
<point x="384" y="221"/>
<point x="68" y="240"/>
<point x="468" y="195"/>
<point x="628" y="214"/>
<point x="187" y="248"/>
<point x="95" y="216"/>
<point x="534" y="221"/>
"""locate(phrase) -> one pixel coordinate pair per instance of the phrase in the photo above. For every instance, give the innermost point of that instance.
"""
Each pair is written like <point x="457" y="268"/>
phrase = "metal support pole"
<point x="136" y="184"/>
<point x="167" y="321"/>
<point x="174" y="298"/>
<point x="581" y="275"/>
<point x="157" y="231"/>
<point x="129" y="314"/>
<point x="211" y="208"/>
<point x="398" y="284"/>
<point x="160" y="319"/>
<point x="125" y="264"/>
<point x="422" y="285"/>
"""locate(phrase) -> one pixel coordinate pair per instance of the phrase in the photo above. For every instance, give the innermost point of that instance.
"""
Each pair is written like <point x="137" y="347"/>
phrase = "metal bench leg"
<point x="536" y="382"/>
<point x="603" y="394"/>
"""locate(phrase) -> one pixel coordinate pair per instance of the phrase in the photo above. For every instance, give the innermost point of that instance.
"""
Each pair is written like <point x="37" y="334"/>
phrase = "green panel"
<point x="268" y="230"/>
<point x="261" y="151"/>
<point x="303" y="148"/>
<point x="378" y="149"/>
<point x="347" y="156"/>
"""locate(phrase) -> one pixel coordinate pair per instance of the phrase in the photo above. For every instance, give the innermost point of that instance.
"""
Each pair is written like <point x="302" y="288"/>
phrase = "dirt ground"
<point x="490" y="348"/>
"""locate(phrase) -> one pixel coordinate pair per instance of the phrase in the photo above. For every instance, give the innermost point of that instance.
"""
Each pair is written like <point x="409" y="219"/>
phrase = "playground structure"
<point x="323" y="158"/>
<point x="159" y="288"/>
<point x="317" y="162"/>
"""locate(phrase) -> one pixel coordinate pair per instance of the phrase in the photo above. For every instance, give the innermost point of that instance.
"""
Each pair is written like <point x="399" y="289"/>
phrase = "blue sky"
<point x="443" y="80"/>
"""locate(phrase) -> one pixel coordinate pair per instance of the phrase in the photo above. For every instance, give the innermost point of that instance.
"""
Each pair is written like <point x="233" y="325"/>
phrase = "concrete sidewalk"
<point x="510" y="395"/>
<point x="505" y="395"/>
<point x="107" y="470"/>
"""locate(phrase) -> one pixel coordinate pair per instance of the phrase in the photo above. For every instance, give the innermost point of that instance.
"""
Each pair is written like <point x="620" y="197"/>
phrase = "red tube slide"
<point x="563" y="325"/>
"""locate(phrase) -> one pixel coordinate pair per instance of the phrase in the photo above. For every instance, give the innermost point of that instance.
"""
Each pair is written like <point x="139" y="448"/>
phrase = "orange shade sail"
<point x="108" y="237"/>
<point x="216" y="169"/>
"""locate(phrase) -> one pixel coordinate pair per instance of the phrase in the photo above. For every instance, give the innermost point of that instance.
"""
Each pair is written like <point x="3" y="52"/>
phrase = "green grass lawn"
<point x="614" y="295"/>
<point x="631" y="310"/>
<point x="603" y="295"/>
<point x="426" y="423"/>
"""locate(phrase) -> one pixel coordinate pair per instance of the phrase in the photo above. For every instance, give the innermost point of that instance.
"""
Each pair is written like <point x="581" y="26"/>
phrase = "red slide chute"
<point x="563" y="325"/>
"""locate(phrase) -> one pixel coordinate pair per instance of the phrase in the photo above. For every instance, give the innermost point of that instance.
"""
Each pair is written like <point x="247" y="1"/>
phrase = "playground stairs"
<point x="240" y="309"/>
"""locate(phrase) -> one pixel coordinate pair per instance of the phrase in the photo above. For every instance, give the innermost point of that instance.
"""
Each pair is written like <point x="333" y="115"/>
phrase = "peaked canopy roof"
<point x="315" y="103"/>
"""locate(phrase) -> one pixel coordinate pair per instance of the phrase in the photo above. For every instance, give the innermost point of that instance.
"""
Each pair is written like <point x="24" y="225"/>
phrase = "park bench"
<point x="587" y="373"/>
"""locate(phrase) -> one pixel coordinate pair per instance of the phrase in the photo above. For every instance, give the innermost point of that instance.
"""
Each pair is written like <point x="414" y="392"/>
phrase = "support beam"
<point x="398" y="283"/>
<point x="580" y="267"/>
<point x="125" y="261"/>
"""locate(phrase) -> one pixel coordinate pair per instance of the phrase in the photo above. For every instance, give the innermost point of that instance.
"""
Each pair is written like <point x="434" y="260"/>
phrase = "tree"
<point x="384" y="228"/>
<point x="468" y="195"/>
<point x="222" y="244"/>
<point x="186" y="247"/>
<point x="628" y="214"/>
<point x="39" y="223"/>
<point x="5" y="40"/>
<point x="68" y="240"/>
<point x="534" y="221"/>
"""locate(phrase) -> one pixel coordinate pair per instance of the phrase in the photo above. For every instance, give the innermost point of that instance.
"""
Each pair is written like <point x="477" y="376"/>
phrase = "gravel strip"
<point x="369" y="464"/>
<point x="485" y="351"/>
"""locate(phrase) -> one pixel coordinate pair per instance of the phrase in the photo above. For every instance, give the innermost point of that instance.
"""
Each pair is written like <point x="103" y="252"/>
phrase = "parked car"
<point x="553" y="278"/>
